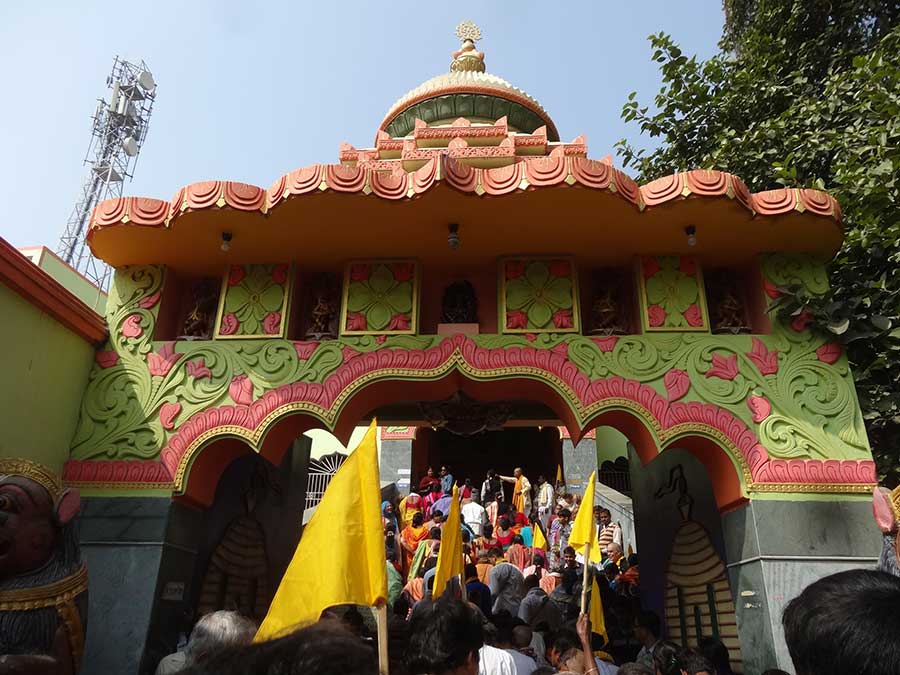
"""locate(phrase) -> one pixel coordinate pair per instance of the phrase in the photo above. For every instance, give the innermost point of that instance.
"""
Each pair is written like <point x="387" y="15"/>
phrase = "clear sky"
<point x="249" y="91"/>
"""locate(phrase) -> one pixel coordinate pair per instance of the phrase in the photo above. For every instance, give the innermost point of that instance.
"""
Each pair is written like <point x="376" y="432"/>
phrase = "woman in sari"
<point x="388" y="517"/>
<point x="518" y="554"/>
<point x="487" y="540"/>
<point x="410" y="505"/>
<point x="505" y="533"/>
<point x="411" y="537"/>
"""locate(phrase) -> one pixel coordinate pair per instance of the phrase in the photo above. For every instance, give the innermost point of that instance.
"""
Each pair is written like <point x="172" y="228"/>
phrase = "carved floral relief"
<point x="380" y="297"/>
<point x="538" y="295"/>
<point x="254" y="301"/>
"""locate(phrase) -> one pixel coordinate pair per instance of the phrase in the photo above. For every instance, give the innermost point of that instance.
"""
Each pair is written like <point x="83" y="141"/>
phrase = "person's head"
<point x="468" y="482"/>
<point x="418" y="519"/>
<point x="692" y="662"/>
<point x="614" y="551"/>
<point x="538" y="559"/>
<point x="665" y="658"/>
<point x="495" y="554"/>
<point x="610" y="571"/>
<point x="569" y="580"/>
<point x="634" y="669"/>
<point x="216" y="631"/>
<point x="324" y="648"/>
<point x="521" y="636"/>
<point x="564" y="516"/>
<point x="845" y="623"/>
<point x="436" y="488"/>
<point x="504" y="523"/>
<point x="646" y="627"/>
<point x="466" y="537"/>
<point x="498" y="497"/>
<point x="569" y="556"/>
<point x="435" y="533"/>
<point x="444" y="637"/>
<point x="390" y="530"/>
<point x="717" y="653"/>
<point x="487" y="531"/>
<point x="560" y="643"/>
<point x="437" y="516"/>
<point x="387" y="508"/>
<point x="517" y="472"/>
<point x="532" y="581"/>
<point x="602" y="516"/>
<point x="471" y="571"/>
<point x="444" y="471"/>
<point x="430" y="472"/>
<point x="517" y="539"/>
<point x="540" y="479"/>
<point x="571" y="661"/>
<point x="491" y="474"/>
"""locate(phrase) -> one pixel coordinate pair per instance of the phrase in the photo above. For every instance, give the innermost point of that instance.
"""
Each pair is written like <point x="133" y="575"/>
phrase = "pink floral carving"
<point x="829" y="353"/>
<point x="531" y="337"/>
<point x="514" y="269"/>
<point x="760" y="408"/>
<point x="348" y="353"/>
<point x="230" y="324"/>
<point x="198" y="369"/>
<point x="236" y="275"/>
<point x="131" y="327"/>
<point x="356" y="321"/>
<point x="677" y="383"/>
<point x="305" y="349"/>
<point x="561" y="268"/>
<point x="766" y="360"/>
<point x="272" y="323"/>
<point x="725" y="367"/>
<point x="649" y="266"/>
<point x="771" y="289"/>
<point x="801" y="321"/>
<point x="167" y="414"/>
<point x="688" y="266"/>
<point x="241" y="390"/>
<point x="562" y="318"/>
<point x="693" y="316"/>
<point x="279" y="274"/>
<point x="399" y="322"/>
<point x="360" y="272"/>
<point x="606" y="344"/>
<point x="562" y="349"/>
<point x="161" y="362"/>
<point x="380" y="339"/>
<point x="516" y="319"/>
<point x="106" y="358"/>
<point x="656" y="315"/>
<point x="150" y="301"/>
<point x="403" y="271"/>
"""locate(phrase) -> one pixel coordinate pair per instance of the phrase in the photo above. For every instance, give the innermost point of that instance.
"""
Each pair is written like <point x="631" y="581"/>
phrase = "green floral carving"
<point x="537" y="290"/>
<point x="255" y="298"/>
<point x="673" y="290"/>
<point x="381" y="297"/>
<point x="783" y="269"/>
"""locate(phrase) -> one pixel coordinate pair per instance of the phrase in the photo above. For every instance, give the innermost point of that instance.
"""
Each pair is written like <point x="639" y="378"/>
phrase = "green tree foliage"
<point x="805" y="94"/>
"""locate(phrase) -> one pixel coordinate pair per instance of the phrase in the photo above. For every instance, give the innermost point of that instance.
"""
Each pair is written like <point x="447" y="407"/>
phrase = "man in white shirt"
<point x="474" y="516"/>
<point x="544" y="501"/>
<point x="493" y="661"/>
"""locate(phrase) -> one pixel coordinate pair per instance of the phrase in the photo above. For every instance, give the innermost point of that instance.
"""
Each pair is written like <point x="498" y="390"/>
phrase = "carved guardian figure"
<point x="43" y="581"/>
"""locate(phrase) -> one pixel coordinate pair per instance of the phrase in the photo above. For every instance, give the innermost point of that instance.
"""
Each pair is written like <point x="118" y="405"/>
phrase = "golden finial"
<point x="467" y="57"/>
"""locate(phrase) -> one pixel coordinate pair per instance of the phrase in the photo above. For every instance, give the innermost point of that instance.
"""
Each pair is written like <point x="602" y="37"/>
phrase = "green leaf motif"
<point x="539" y="294"/>
<point x="672" y="290"/>
<point x="380" y="297"/>
<point x="256" y="296"/>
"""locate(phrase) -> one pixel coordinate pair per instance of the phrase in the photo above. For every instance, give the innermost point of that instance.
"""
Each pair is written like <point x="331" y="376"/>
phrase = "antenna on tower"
<point x="119" y="127"/>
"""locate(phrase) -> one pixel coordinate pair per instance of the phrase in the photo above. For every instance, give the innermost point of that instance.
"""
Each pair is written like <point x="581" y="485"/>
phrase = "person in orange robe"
<point x="412" y="535"/>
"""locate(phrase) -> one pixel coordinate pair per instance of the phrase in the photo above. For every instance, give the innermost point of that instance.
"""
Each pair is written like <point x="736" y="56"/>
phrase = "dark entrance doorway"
<point x="537" y="450"/>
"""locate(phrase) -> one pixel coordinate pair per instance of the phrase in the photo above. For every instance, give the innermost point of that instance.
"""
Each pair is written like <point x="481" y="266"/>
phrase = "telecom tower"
<point x="117" y="134"/>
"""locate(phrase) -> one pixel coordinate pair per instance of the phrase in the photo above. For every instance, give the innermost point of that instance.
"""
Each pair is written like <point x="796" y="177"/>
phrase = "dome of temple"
<point x="467" y="91"/>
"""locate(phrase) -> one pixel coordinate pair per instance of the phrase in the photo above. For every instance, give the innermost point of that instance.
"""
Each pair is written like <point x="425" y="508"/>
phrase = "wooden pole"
<point x="381" y="620"/>
<point x="585" y="588"/>
<point x="462" y="586"/>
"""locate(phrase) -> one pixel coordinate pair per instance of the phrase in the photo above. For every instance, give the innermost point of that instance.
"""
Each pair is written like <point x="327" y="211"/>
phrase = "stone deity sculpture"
<point x="43" y="581"/>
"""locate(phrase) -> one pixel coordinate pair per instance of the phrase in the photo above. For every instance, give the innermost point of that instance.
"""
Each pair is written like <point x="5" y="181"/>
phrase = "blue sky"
<point x="249" y="91"/>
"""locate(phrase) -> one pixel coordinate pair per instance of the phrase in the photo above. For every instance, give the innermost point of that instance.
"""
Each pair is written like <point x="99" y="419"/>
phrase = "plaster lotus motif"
<point x="399" y="322"/>
<point x="360" y="272"/>
<point x="241" y="390"/>
<point x="236" y="275"/>
<point x="150" y="301"/>
<point x="403" y="271"/>
<point x="380" y="298"/>
<point x="766" y="360"/>
<point x="800" y="322"/>
<point x="606" y="344"/>
<point x="538" y="294"/>
<point x="693" y="316"/>
<point x="198" y="369"/>
<point x="672" y="290"/>
<point x="305" y="349"/>
<point x="230" y="325"/>
<point x="829" y="353"/>
<point x="106" y="358"/>
<point x="760" y="408"/>
<point x="656" y="316"/>
<point x="167" y="414"/>
<point x="279" y="274"/>
<point x="161" y="362"/>
<point x="514" y="269"/>
<point x="562" y="318"/>
<point x="131" y="327"/>
<point x="518" y="320"/>
<point x="724" y="367"/>
<point x="677" y="383"/>
<point x="272" y="323"/>
<point x="253" y="299"/>
<point x="356" y="321"/>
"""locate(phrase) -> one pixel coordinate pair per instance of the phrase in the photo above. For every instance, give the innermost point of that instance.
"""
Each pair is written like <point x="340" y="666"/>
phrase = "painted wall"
<point x="45" y="369"/>
<point x="71" y="280"/>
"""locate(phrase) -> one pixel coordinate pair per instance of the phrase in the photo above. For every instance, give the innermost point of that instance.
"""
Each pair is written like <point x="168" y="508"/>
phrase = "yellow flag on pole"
<point x="598" y="620"/>
<point x="329" y="570"/>
<point x="449" y="562"/>
<point x="584" y="529"/>
<point x="559" y="476"/>
<point x="538" y="540"/>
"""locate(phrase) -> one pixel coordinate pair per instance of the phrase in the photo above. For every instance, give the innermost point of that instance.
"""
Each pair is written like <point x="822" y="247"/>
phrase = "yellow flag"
<point x="584" y="529"/>
<point x="340" y="558"/>
<point x="449" y="562"/>
<point x="598" y="620"/>
<point x="559" y="477"/>
<point x="538" y="540"/>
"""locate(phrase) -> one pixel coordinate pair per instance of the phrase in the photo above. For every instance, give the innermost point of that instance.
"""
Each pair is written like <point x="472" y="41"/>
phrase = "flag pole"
<point x="584" y="578"/>
<point x="381" y="621"/>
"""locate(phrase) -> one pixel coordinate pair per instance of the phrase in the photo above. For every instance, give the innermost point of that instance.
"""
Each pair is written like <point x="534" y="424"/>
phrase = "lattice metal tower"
<point x="119" y="127"/>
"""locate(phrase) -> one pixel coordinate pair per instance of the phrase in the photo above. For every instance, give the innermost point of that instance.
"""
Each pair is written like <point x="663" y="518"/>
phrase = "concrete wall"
<point x="45" y="370"/>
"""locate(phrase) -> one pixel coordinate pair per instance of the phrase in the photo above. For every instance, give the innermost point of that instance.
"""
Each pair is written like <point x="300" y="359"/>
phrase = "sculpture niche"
<point x="43" y="582"/>
<point x="198" y="324"/>
<point x="459" y="304"/>
<point x="322" y="323"/>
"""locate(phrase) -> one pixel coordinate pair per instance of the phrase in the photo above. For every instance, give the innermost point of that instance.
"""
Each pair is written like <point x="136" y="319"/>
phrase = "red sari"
<point x="412" y="536"/>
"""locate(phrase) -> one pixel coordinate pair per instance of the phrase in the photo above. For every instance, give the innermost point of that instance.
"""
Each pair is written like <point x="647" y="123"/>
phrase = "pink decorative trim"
<point x="106" y="358"/>
<point x="150" y="301"/>
<point x="272" y="323"/>
<point x="693" y="316"/>
<point x="766" y="360"/>
<point x="829" y="353"/>
<point x="656" y="316"/>
<point x="516" y="319"/>
<point x="724" y="367"/>
<point x="800" y="322"/>
<point x="167" y="414"/>
<point x="760" y="408"/>
<point x="131" y="327"/>
<point x="606" y="344"/>
<point x="198" y="369"/>
<point x="160" y="363"/>
<point x="230" y="324"/>
<point x="305" y="349"/>
<point x="241" y="390"/>
<point x="677" y="383"/>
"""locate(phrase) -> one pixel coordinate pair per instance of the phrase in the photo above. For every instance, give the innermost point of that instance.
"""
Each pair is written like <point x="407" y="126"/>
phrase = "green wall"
<point x="611" y="444"/>
<point x="73" y="282"/>
<point x="45" y="370"/>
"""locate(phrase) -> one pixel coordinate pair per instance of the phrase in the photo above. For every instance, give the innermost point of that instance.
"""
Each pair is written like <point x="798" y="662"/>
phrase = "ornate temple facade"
<point x="469" y="252"/>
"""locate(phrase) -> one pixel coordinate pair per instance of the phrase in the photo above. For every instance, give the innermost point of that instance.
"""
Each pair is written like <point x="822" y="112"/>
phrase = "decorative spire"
<point x="467" y="58"/>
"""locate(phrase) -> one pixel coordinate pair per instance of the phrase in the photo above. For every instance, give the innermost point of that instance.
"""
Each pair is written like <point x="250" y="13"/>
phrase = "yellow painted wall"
<point x="44" y="370"/>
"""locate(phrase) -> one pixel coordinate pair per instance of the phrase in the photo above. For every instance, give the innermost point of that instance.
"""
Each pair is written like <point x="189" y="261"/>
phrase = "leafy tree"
<point x="805" y="94"/>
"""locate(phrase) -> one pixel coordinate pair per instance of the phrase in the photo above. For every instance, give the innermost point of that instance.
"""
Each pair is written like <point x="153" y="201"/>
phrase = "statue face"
<point x="27" y="530"/>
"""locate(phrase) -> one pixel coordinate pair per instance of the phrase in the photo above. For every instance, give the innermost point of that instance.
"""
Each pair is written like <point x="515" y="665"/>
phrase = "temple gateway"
<point x="496" y="299"/>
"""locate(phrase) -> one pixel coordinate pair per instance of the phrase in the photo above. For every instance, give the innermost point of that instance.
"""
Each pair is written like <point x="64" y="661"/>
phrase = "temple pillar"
<point x="777" y="548"/>
<point x="579" y="461"/>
